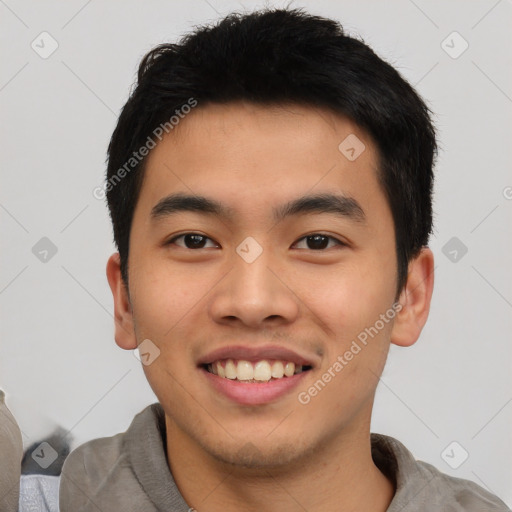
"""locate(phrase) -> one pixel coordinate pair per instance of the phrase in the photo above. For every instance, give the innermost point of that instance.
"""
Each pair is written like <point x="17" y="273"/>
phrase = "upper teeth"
<point x="260" y="371"/>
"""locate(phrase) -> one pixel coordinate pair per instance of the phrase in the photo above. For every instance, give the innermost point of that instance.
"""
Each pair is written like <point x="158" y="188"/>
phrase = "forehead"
<point x="251" y="156"/>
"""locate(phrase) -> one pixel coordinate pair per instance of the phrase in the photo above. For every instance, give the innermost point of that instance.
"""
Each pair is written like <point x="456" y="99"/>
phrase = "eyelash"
<point x="338" y="242"/>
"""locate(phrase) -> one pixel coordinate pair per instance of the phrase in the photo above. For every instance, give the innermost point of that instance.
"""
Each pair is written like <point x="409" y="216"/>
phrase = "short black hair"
<point x="273" y="57"/>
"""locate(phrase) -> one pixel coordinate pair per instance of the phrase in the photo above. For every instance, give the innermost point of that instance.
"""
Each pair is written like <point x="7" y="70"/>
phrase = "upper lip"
<point x="253" y="354"/>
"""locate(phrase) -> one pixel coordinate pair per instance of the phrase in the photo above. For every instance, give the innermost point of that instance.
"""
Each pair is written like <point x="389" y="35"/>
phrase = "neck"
<point x="340" y="475"/>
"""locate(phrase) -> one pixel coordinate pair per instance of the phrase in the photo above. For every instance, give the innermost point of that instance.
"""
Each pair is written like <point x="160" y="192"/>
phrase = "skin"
<point x="283" y="456"/>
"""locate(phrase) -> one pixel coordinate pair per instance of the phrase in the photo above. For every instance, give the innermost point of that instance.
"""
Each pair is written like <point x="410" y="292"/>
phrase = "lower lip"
<point x="252" y="393"/>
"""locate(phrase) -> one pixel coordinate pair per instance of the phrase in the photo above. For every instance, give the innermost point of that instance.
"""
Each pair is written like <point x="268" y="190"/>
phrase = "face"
<point x="254" y="275"/>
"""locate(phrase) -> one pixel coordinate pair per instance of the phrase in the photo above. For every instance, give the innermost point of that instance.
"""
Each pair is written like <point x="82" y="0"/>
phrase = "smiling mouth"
<point x="265" y="370"/>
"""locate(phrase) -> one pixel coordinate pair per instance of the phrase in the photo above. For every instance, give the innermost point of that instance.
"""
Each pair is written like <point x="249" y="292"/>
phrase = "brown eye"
<point x="190" y="241"/>
<point x="318" y="242"/>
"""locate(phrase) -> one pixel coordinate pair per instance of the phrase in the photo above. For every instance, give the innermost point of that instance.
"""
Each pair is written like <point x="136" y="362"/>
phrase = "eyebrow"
<point x="339" y="205"/>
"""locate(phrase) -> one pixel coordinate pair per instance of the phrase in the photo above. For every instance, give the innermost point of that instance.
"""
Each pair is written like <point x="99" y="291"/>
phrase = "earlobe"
<point x="124" y="329"/>
<point x="414" y="300"/>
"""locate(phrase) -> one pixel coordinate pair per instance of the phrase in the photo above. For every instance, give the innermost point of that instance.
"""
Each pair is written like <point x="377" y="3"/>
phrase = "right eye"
<point x="190" y="241"/>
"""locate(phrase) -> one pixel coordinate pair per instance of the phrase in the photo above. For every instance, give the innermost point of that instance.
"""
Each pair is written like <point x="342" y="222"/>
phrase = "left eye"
<point x="318" y="241"/>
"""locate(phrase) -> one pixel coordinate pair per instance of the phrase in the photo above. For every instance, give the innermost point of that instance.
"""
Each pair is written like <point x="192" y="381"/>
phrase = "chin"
<point x="259" y="455"/>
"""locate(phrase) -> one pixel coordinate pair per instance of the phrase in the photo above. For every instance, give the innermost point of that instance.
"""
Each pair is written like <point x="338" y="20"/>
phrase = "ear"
<point x="124" y="331"/>
<point x="414" y="300"/>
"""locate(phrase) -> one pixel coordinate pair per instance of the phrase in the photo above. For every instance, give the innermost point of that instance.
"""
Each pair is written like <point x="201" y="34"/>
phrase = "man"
<point x="269" y="182"/>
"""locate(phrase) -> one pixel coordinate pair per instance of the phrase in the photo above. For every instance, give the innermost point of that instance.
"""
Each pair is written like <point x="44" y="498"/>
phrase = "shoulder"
<point x="11" y="450"/>
<point x="95" y="457"/>
<point x="422" y="487"/>
<point x="88" y="467"/>
<point x="461" y="494"/>
<point x="100" y="471"/>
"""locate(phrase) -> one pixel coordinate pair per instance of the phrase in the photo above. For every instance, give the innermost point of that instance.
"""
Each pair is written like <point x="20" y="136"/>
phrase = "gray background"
<point x="58" y="361"/>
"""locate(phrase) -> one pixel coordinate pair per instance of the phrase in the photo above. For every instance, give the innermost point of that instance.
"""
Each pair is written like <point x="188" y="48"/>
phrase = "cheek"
<point x="347" y="381"/>
<point x="350" y="296"/>
<point x="351" y="306"/>
<point x="163" y="297"/>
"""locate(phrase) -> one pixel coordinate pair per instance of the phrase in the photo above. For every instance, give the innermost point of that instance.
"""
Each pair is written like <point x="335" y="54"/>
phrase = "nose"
<point x="254" y="294"/>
